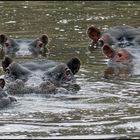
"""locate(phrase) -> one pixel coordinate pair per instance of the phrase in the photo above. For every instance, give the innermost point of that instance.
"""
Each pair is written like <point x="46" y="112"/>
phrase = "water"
<point x="101" y="108"/>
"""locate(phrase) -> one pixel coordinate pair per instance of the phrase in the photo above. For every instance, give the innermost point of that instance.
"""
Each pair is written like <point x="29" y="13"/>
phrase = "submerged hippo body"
<point x="41" y="76"/>
<point x="19" y="47"/>
<point x="120" y="44"/>
<point x="5" y="99"/>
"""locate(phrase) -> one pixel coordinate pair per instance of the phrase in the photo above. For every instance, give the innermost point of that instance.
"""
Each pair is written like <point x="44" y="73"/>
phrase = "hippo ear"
<point x="44" y="39"/>
<point x="3" y="38"/>
<point x="93" y="33"/>
<point x="108" y="51"/>
<point x="2" y="83"/>
<point x="6" y="62"/>
<point x="74" y="65"/>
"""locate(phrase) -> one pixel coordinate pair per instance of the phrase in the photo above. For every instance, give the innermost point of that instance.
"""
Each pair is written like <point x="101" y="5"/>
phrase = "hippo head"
<point x="20" y="47"/>
<point x="63" y="73"/>
<point x="40" y="73"/>
<point x="120" y="44"/>
<point x="5" y="99"/>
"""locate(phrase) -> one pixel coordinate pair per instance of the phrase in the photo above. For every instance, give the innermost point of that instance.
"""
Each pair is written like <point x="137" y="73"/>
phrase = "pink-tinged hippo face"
<point x="120" y="44"/>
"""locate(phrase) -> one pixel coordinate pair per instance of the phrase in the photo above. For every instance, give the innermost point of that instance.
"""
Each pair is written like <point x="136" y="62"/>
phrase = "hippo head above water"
<point x="5" y="99"/>
<point x="40" y="75"/>
<point x="19" y="47"/>
<point x="120" y="44"/>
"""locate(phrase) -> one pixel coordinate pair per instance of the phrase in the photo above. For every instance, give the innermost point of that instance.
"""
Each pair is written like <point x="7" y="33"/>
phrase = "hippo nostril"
<point x="122" y="56"/>
<point x="119" y="54"/>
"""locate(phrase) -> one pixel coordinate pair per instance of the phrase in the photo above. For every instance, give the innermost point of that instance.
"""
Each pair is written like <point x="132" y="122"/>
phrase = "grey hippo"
<point x="39" y="76"/>
<point x="23" y="47"/>
<point x="5" y="99"/>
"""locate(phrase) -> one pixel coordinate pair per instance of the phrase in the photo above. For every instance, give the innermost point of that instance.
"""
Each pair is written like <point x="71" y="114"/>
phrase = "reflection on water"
<point x="102" y="108"/>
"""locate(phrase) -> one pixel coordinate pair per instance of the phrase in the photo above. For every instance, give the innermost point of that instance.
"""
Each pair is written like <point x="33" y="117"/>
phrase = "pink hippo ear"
<point x="93" y="33"/>
<point x="108" y="51"/>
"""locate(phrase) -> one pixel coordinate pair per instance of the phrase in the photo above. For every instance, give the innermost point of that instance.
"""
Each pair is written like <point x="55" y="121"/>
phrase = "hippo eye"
<point x="40" y="45"/>
<point x="100" y="43"/>
<point x="59" y="76"/>
<point x="120" y="39"/>
<point x="7" y="45"/>
<point x="67" y="72"/>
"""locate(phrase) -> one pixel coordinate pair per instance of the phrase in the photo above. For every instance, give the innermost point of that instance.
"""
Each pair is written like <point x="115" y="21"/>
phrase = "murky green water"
<point x="102" y="108"/>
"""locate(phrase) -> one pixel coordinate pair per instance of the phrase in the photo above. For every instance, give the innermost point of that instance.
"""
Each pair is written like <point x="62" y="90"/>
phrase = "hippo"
<point x="5" y="99"/>
<point x="23" y="47"/>
<point x="39" y="76"/>
<point x="120" y="44"/>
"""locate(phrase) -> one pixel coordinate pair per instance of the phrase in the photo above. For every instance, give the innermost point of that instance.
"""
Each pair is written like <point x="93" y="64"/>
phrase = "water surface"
<point x="102" y="108"/>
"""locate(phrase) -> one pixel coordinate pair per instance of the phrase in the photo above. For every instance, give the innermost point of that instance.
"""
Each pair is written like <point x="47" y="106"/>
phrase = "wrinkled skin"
<point x="120" y="44"/>
<point x="39" y="76"/>
<point x="19" y="47"/>
<point x="5" y="99"/>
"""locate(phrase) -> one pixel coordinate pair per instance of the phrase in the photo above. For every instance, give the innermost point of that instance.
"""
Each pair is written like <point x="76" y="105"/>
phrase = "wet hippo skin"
<point x="5" y="99"/>
<point x="120" y="44"/>
<point x="40" y="74"/>
<point x="22" y="47"/>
